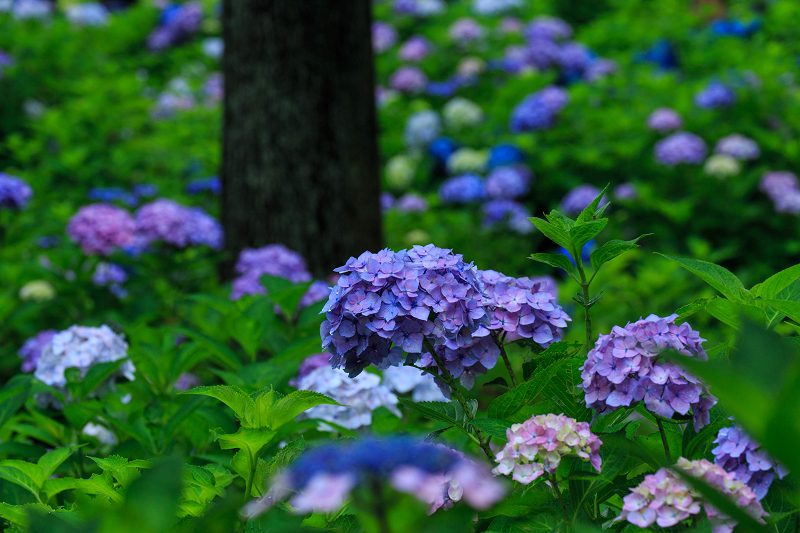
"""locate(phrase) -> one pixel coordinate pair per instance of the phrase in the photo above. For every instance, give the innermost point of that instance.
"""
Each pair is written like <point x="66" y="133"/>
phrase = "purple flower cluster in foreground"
<point x="783" y="189"/>
<point x="738" y="453"/>
<point x="538" y="110"/>
<point x="178" y="23"/>
<point x="715" y="95"/>
<point x="324" y="477"/>
<point x="178" y="225"/>
<point x="101" y="228"/>
<point x="32" y="349"/>
<point x="14" y="192"/>
<point x="738" y="146"/>
<point x="625" y="367"/>
<point x="666" y="499"/>
<point x="536" y="447"/>
<point x="681" y="147"/>
<point x="579" y="198"/>
<point x="664" y="119"/>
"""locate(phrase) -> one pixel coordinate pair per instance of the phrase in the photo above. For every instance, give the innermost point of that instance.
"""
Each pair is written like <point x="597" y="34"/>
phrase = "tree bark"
<point x="300" y="153"/>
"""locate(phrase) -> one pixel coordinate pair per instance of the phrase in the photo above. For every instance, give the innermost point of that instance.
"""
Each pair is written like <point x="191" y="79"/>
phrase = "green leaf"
<point x="559" y="220"/>
<point x="563" y="390"/>
<point x="492" y="426"/>
<point x="11" y="400"/>
<point x="555" y="234"/>
<point x="98" y="374"/>
<point x="289" y="407"/>
<point x="590" y="210"/>
<point x="250" y="439"/>
<point x="450" y="412"/>
<point x="174" y="422"/>
<point x="583" y="233"/>
<point x="224" y="355"/>
<point x="725" y="311"/>
<point x="718" y="277"/>
<point x="555" y="260"/>
<point x="774" y="284"/>
<point x="789" y="308"/>
<point x="689" y="309"/>
<point x="27" y="475"/>
<point x="51" y="487"/>
<point x="613" y="249"/>
<point x="233" y="397"/>
<point x="124" y="472"/>
<point x="287" y="297"/>
<point x="52" y="460"/>
<point x="509" y="403"/>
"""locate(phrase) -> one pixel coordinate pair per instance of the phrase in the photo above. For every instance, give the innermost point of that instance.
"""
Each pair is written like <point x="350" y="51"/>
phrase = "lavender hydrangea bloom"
<point x="504" y="155"/>
<point x="383" y="36"/>
<point x="387" y="201"/>
<point x="736" y="452"/>
<point x="536" y="447"/>
<point x="538" y="110"/>
<point x="681" y="147"/>
<point x="738" y="146"/>
<point x="541" y="53"/>
<point x="145" y="190"/>
<point x="187" y="381"/>
<point x="404" y="379"/>
<point x="14" y="192"/>
<point x="212" y="185"/>
<point x="81" y="347"/>
<point x="324" y="477"/>
<point x="510" y="25"/>
<point x="579" y="199"/>
<point x="599" y="68"/>
<point x="462" y="189"/>
<point x="422" y="128"/>
<point x="508" y="182"/>
<point x="503" y="210"/>
<point x="5" y="61"/>
<point x="31" y="9"/>
<point x="465" y="30"/>
<point x="666" y="499"/>
<point x="112" y="194"/>
<point x="273" y="259"/>
<point x="317" y="292"/>
<point x="411" y="203"/>
<point x="782" y="188"/>
<point x="179" y="22"/>
<point x="101" y="228"/>
<point x="214" y="88"/>
<point x="664" y="119"/>
<point x="625" y="191"/>
<point x="177" y="225"/>
<point x="574" y="57"/>
<point x="715" y="95"/>
<point x="32" y="349"/>
<point x="108" y="274"/>
<point x="416" y="48"/>
<point x="408" y="80"/>
<point x="419" y="8"/>
<point x="550" y="28"/>
<point x="624" y="368"/>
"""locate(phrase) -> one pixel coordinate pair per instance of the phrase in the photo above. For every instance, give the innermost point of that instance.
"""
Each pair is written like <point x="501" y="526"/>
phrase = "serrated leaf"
<point x="562" y="388"/>
<point x="689" y="309"/>
<point x="11" y="400"/>
<point x="613" y="249"/>
<point x="590" y="210"/>
<point x="555" y="234"/>
<point x="509" y="403"/>
<point x="223" y="355"/>
<point x="583" y="233"/>
<point x="718" y="277"/>
<point x="725" y="311"/>
<point x="50" y="461"/>
<point x="297" y="402"/>
<point x="774" y="284"/>
<point x="559" y="220"/>
<point x="250" y="439"/>
<point x="97" y="374"/>
<point x="492" y="426"/>
<point x="450" y="412"/>
<point x="555" y="260"/>
<point x="27" y="475"/>
<point x="54" y="486"/>
<point x="234" y="397"/>
<point x="100" y="484"/>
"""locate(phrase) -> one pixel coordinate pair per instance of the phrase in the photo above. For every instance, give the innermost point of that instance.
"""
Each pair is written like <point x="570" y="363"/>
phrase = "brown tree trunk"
<point x="300" y="153"/>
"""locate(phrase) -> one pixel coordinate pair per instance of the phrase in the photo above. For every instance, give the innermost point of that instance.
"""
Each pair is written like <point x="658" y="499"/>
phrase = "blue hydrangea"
<point x="505" y="154"/>
<point x="538" y="110"/>
<point x="462" y="189"/>
<point x="735" y="27"/>
<point x="715" y="95"/>
<point x="14" y="192"/>
<point x="442" y="148"/>
<point x="662" y="53"/>
<point x="422" y="128"/>
<point x="513" y="213"/>
<point x="212" y="185"/>
<point x="112" y="194"/>
<point x="508" y="182"/>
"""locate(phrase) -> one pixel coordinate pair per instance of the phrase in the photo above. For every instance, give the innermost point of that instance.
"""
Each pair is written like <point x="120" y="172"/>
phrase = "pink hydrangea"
<point x="537" y="445"/>
<point x="101" y="228"/>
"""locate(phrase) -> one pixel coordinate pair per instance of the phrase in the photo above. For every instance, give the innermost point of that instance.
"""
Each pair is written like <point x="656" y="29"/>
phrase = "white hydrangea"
<point x="102" y="434"/>
<point x="467" y="160"/>
<point x="403" y="379"/>
<point x="460" y="113"/>
<point x="362" y="394"/>
<point x="722" y="166"/>
<point x="422" y="128"/>
<point x="400" y="171"/>
<point x="88" y="14"/>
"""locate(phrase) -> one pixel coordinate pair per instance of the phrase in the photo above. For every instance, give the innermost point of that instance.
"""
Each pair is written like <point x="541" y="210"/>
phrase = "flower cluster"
<point x="38" y="290"/>
<point x="460" y="113"/>
<point x="212" y="184"/>
<point x="419" y="8"/>
<point x="625" y="191"/>
<point x="465" y="30"/>
<point x="738" y="146"/>
<point x="715" y="95"/>
<point x="514" y="214"/>
<point x="32" y="349"/>
<point x="738" y="453"/>
<point x="411" y="203"/>
<point x="579" y="198"/>
<point x="538" y="110"/>
<point x="783" y="189"/>
<point x="416" y="48"/>
<point x="273" y="259"/>
<point x="31" y="9"/>
<point x="359" y="395"/>
<point x="404" y="379"/>
<point x="400" y="171"/>
<point x="88" y="14"/>
<point x="383" y="36"/>
<point x="112" y="276"/>
<point x="666" y="499"/>
<point x="664" y="119"/>
<point x="722" y="166"/>
<point x="177" y="224"/>
<point x="462" y="189"/>
<point x="408" y="79"/>
<point x="505" y="154"/>
<point x="681" y="147"/>
<point x="466" y="160"/>
<point x="536" y="447"/>
<point x="178" y="23"/>
<point x="494" y="7"/>
<point x="101" y="228"/>
<point x="5" y="61"/>
<point x="14" y="192"/>
<point x="508" y="182"/>
<point x="422" y="128"/>
<point x="625" y="367"/>
<point x="324" y="477"/>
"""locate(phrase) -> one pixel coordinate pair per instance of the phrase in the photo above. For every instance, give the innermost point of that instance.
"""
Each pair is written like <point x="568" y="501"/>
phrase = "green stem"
<point x="664" y="440"/>
<point x="250" y="477"/>
<point x="501" y="344"/>
<point x="585" y="292"/>
<point x="380" y="507"/>
<point x="554" y="482"/>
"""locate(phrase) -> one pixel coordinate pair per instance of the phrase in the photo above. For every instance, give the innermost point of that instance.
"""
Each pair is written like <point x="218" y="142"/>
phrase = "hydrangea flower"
<point x="359" y="395"/>
<point x="324" y="477"/>
<point x="88" y="14"/>
<point x="213" y="47"/>
<point x="624" y="368"/>
<point x="408" y="79"/>
<point x="549" y="28"/>
<point x="504" y="154"/>
<point x="738" y="146"/>
<point x="387" y="201"/>
<point x="416" y="48"/>
<point x="419" y="8"/>
<point x="625" y="191"/>
<point x="411" y="203"/>
<point x="722" y="166"/>
<point x="665" y="499"/>
<point x="465" y="30"/>
<point x="462" y="189"/>
<point x="538" y="110"/>
<point x="494" y="7"/>
<point x="541" y="53"/>
<point x="212" y="184"/>
<point x="214" y="88"/>
<point x="38" y="290"/>
<point x="510" y="25"/>
<point x="736" y="452"/>
<point x="734" y="27"/>
<point x="187" y="381"/>
<point x="681" y="147"/>
<point x="579" y="199"/>
<point x="108" y="274"/>
<point x="513" y="213"/>
<point x="422" y="128"/>
<point x="404" y="379"/>
<point x="460" y="113"/>
<point x="14" y="192"/>
<point x="664" y="119"/>
<point x="32" y="349"/>
<point x="574" y="57"/>
<point x="715" y="95"/>
<point x="662" y="53"/>
<point x="5" y="61"/>
<point x="101" y="228"/>
<point x="81" y="347"/>
<point x="400" y="171"/>
<point x="178" y="23"/>
<point x="469" y="67"/>
<point x="537" y="446"/>
<point x="383" y="36"/>
<point x="782" y="188"/>
<point x="442" y="148"/>
<point x="599" y="68"/>
<point x="31" y="9"/>
<point x="178" y="225"/>
<point x="273" y="259"/>
<point x="112" y="194"/>
<point x="467" y="160"/>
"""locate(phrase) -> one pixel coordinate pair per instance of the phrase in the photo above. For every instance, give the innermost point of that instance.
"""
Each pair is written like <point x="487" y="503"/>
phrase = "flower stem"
<point x="508" y="363"/>
<point x="584" y="283"/>
<point x="664" y="440"/>
<point x="554" y="482"/>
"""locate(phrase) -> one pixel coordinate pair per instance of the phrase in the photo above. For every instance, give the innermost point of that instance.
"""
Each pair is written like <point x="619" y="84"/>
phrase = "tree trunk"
<point x="300" y="154"/>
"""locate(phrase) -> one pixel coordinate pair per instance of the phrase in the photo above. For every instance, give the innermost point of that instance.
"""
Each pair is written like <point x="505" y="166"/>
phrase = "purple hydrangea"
<point x="408" y="79"/>
<point x="715" y="95"/>
<point x="383" y="36"/>
<point x="550" y="28"/>
<point x="782" y="188"/>
<point x="387" y="201"/>
<point x="625" y="191"/>
<point x="322" y="479"/>
<point x="494" y="7"/>
<point x="411" y="203"/>
<point x="541" y="53"/>
<point x="178" y="225"/>
<point x="317" y="292"/>
<point x="112" y="194"/>
<point x="574" y="57"/>
<point x="508" y="182"/>
<point x="738" y="453"/>
<point x="511" y="25"/>
<point x="87" y="14"/>
<point x="462" y="189"/>
<point x="106" y="274"/>
<point x="738" y="146"/>
<point x="681" y="147"/>
<point x="178" y="23"/>
<point x="187" y="381"/>
<point x="14" y="192"/>
<point x="579" y="199"/>
<point x="513" y="213"/>
<point x="101" y="228"/>
<point x="664" y="119"/>
<point x="214" y="88"/>
<point x="465" y="30"/>
<point x="625" y="367"/>
<point x="5" y="61"/>
<point x="599" y="68"/>
<point x="419" y="8"/>
<point x="32" y="349"/>
<point x="416" y="48"/>
<point x="212" y="185"/>
<point x="274" y="260"/>
<point x="538" y="110"/>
